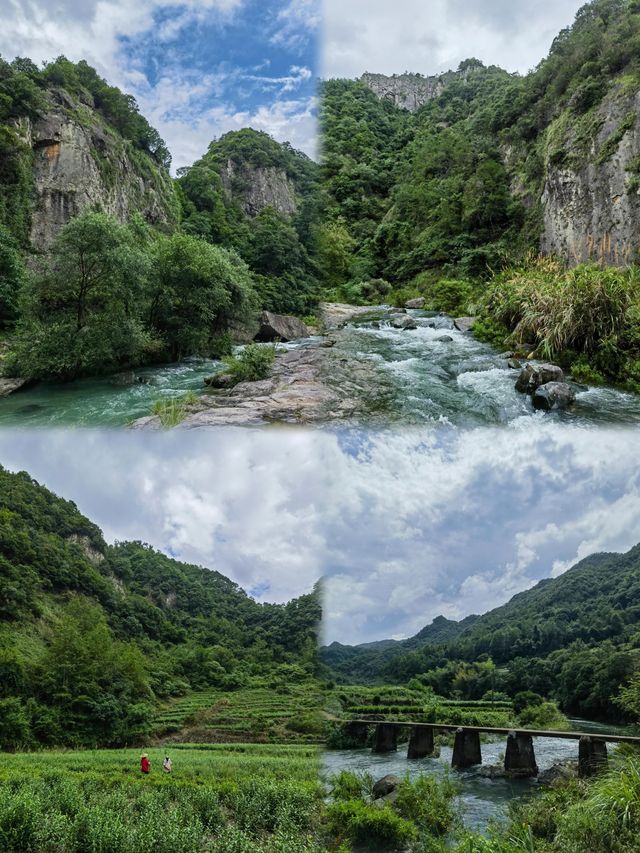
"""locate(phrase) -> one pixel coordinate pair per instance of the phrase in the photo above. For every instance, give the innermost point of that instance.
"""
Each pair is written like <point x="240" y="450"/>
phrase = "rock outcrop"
<point x="410" y="91"/>
<point x="9" y="385"/>
<point x="80" y="163"/>
<point x="257" y="187"/>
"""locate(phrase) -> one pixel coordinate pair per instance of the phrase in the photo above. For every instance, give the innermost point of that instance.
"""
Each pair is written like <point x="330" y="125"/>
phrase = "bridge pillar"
<point x="386" y="738"/>
<point x="592" y="756"/>
<point x="358" y="733"/>
<point x="420" y="742"/>
<point x="466" y="749"/>
<point x="519" y="758"/>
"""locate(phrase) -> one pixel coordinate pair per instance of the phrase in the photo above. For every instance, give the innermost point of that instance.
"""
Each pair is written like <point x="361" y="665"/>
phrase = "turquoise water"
<point x="99" y="402"/>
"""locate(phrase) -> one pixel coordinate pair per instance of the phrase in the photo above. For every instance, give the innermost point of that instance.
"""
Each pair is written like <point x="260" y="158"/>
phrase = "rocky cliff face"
<point x="412" y="91"/>
<point x="591" y="199"/>
<point x="257" y="187"/>
<point x="79" y="163"/>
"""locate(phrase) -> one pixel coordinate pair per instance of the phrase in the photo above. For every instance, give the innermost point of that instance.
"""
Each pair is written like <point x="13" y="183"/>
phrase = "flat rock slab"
<point x="333" y="315"/>
<point x="9" y="385"/>
<point x="307" y="385"/>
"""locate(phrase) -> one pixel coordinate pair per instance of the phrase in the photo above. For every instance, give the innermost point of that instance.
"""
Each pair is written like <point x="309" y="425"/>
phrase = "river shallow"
<point x="418" y="379"/>
<point x="481" y="800"/>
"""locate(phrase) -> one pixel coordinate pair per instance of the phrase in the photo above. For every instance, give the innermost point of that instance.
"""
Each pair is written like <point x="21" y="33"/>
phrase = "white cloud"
<point x="410" y="35"/>
<point x="404" y="525"/>
<point x="295" y="22"/>
<point x="93" y="30"/>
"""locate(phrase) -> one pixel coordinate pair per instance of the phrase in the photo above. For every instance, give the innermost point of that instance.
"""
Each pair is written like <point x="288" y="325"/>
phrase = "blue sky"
<point x="405" y="525"/>
<point x="198" y="68"/>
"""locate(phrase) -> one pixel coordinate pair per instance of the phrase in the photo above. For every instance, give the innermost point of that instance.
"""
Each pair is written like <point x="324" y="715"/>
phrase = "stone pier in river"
<point x="520" y="760"/>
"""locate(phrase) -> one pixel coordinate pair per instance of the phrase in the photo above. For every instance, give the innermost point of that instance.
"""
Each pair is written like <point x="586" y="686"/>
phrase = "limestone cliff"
<point x="257" y="187"/>
<point x="591" y="192"/>
<point x="80" y="162"/>
<point x="413" y="91"/>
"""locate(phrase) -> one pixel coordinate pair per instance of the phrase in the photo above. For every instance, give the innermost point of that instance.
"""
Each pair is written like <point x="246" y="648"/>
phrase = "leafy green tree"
<point x="14" y="724"/>
<point x="80" y="312"/>
<point x="12" y="276"/>
<point x="198" y="290"/>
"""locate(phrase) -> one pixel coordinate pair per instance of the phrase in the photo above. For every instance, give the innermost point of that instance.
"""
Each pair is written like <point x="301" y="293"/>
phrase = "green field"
<point x="220" y="798"/>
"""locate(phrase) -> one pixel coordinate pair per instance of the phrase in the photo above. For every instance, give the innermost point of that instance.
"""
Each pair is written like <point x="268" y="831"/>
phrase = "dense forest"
<point x="574" y="639"/>
<point x="106" y="262"/>
<point x="93" y="636"/>
<point x="454" y="201"/>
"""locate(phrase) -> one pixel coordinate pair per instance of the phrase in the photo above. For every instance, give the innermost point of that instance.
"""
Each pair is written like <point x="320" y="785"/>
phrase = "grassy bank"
<point x="219" y="799"/>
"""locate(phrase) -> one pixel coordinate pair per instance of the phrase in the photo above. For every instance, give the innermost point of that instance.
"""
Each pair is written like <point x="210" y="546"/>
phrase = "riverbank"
<point x="368" y="365"/>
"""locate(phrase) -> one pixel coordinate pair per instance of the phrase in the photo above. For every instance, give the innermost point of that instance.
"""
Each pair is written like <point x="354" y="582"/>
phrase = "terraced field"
<point x="254" y="714"/>
<point x="402" y="703"/>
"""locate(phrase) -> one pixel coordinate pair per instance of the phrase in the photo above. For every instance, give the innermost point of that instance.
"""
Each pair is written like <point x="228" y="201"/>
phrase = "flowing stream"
<point x="462" y="381"/>
<point x="422" y="379"/>
<point x="481" y="800"/>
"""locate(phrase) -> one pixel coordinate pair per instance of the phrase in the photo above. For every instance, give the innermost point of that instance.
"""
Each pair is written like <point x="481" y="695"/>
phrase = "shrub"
<point x="369" y="826"/>
<point x="252" y="363"/>
<point x="172" y="412"/>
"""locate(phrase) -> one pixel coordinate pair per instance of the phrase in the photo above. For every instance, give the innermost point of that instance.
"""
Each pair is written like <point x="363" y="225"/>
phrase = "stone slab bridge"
<point x="519" y="756"/>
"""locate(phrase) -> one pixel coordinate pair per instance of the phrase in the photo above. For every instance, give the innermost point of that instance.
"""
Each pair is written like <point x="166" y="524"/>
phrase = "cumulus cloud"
<point x="145" y="48"/>
<point x="403" y="525"/>
<point x="410" y="35"/>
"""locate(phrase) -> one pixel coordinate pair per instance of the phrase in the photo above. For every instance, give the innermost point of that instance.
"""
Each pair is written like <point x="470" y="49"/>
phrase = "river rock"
<point x="385" y="786"/>
<point x="221" y="379"/>
<point x="416" y="303"/>
<point x="558" y="773"/>
<point x="464" y="324"/>
<point x="534" y="375"/>
<point x="280" y="327"/>
<point x="514" y="363"/>
<point x="444" y="339"/>
<point x="11" y="384"/>
<point x="553" y="395"/>
<point x="492" y="771"/>
<point x="129" y="377"/>
<point x="399" y="310"/>
<point x="402" y="322"/>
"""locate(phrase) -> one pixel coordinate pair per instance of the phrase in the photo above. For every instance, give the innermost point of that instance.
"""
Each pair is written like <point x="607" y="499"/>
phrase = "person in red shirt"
<point x="145" y="764"/>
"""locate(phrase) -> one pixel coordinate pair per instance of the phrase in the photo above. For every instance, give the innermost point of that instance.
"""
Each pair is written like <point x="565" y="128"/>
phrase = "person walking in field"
<point x="166" y="764"/>
<point x="145" y="764"/>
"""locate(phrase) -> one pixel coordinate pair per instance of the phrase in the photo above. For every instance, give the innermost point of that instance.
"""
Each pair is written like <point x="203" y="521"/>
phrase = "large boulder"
<point x="534" y="375"/>
<point x="10" y="384"/>
<point x="281" y="327"/>
<point x="221" y="379"/>
<point x="403" y="322"/>
<point x="418" y="302"/>
<point x="464" y="324"/>
<point x="385" y="786"/>
<point x="553" y="395"/>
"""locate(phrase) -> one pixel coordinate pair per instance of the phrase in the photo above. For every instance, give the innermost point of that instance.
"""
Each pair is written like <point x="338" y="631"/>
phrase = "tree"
<point x="198" y="290"/>
<point x="12" y="276"/>
<point x="81" y="312"/>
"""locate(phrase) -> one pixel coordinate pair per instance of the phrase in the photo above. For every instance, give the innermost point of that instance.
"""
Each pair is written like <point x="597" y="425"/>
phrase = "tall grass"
<point x="590" y="311"/>
<point x="171" y="412"/>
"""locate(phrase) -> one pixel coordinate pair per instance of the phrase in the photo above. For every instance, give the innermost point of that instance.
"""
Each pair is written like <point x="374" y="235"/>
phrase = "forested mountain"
<point x="484" y="164"/>
<point x="92" y="636"/>
<point x="106" y="262"/>
<point x="260" y="198"/>
<point x="449" y="187"/>
<point x="574" y="638"/>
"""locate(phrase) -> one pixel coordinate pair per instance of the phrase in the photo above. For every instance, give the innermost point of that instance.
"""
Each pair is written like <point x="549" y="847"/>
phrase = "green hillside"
<point x="574" y="638"/>
<point x="95" y="639"/>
